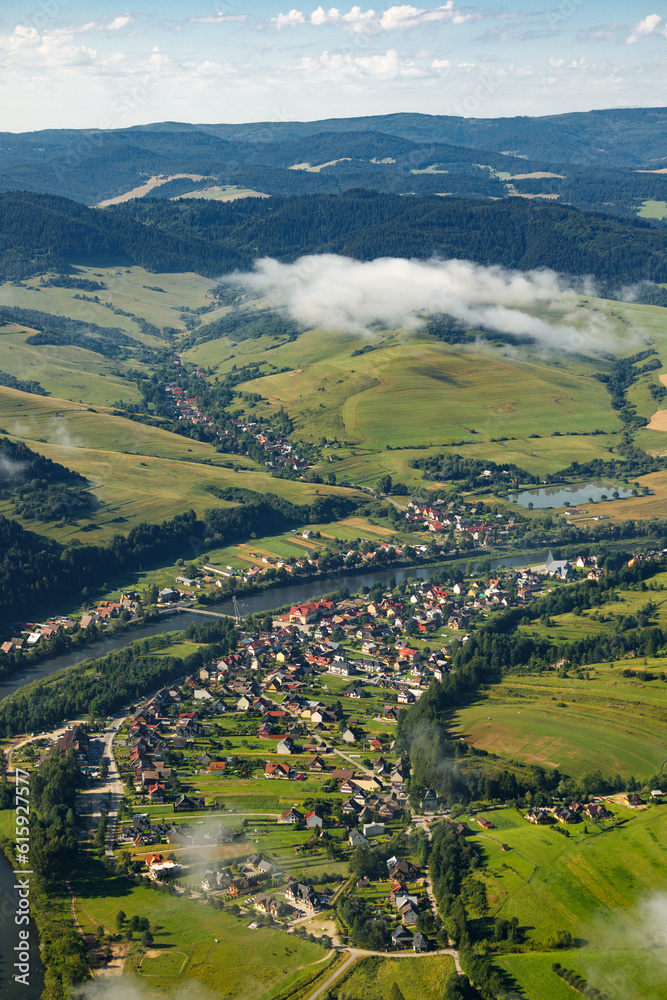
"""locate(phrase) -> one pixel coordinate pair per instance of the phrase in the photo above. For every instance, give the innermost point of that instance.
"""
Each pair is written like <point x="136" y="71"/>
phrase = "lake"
<point x="559" y="496"/>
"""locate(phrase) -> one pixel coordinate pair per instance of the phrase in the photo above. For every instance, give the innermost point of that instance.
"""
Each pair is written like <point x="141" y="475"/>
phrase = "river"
<point x="9" y="940"/>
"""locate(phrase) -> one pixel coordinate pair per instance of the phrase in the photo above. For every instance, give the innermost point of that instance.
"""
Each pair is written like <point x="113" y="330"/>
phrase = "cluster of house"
<point x="279" y="450"/>
<point x="461" y="521"/>
<point x="407" y="904"/>
<point x="572" y="813"/>
<point x="142" y="832"/>
<point x="31" y="634"/>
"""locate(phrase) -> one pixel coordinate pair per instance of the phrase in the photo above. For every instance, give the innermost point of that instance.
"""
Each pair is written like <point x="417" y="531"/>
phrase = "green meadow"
<point x="195" y="946"/>
<point x="605" y="722"/>
<point x="652" y="209"/>
<point x="596" y="883"/>
<point x="626" y="974"/>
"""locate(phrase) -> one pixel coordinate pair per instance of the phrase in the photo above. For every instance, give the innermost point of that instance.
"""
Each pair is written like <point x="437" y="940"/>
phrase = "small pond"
<point x="559" y="496"/>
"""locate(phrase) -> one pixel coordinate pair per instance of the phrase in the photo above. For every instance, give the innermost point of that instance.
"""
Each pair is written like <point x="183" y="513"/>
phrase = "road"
<point x="356" y="953"/>
<point x="94" y="797"/>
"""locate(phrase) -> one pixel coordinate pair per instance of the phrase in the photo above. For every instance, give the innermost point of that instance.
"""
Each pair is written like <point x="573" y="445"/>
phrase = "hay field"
<point x="607" y="722"/>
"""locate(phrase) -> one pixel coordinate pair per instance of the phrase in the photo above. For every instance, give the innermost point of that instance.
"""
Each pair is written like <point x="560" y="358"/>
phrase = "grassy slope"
<point x="608" y="722"/>
<point x="417" y="979"/>
<point x="412" y="392"/>
<point x="139" y="473"/>
<point x="625" y="974"/>
<point x="592" y="884"/>
<point x="195" y="944"/>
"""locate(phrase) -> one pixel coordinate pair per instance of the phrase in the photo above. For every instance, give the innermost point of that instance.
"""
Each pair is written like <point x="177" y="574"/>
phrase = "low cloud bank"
<point x="337" y="293"/>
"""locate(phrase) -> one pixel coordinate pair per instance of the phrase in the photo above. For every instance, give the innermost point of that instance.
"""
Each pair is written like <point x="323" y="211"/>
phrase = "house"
<point x="539" y="816"/>
<point x="286" y="746"/>
<point x="217" y="765"/>
<point x="595" y="810"/>
<point x="402" y="937"/>
<point x="313" y="820"/>
<point x="357" y="839"/>
<point x="301" y="894"/>
<point x="291" y="816"/>
<point x="349" y="736"/>
<point x="557" y="567"/>
<point x="188" y="803"/>
<point x="429" y="802"/>
<point x="485" y="823"/>
<point x="419" y="943"/>
<point x="634" y="799"/>
<point x="316" y="764"/>
<point x="277" y="770"/>
<point x="373" y="829"/>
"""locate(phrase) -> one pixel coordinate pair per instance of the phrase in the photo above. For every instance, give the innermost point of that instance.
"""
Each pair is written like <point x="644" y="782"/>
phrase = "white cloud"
<point x="337" y="293"/>
<point x="121" y="21"/>
<point x="653" y="24"/>
<point x="44" y="49"/>
<point x="217" y="18"/>
<point x="343" y="65"/>
<point x="357" y="20"/>
<point x="440" y="64"/>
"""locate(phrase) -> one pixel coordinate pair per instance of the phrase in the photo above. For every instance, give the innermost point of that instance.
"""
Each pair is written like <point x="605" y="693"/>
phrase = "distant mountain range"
<point x="605" y="161"/>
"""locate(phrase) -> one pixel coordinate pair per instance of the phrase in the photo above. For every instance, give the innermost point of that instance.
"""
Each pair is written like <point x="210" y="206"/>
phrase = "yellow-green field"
<point x="139" y="473"/>
<point x="196" y="947"/>
<point x="651" y="209"/>
<point x="417" y="978"/>
<point x="418" y="395"/>
<point x="626" y="974"/>
<point x="596" y="884"/>
<point x="609" y="722"/>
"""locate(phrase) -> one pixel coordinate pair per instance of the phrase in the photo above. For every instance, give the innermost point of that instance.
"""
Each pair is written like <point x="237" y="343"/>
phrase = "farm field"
<point x="595" y="884"/>
<point x="607" y="722"/>
<point x="417" y="978"/>
<point x="195" y="945"/>
<point x="627" y="974"/>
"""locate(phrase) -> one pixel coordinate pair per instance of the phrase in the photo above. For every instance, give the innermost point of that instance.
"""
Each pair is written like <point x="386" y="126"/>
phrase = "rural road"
<point x="356" y="953"/>
<point x="94" y="797"/>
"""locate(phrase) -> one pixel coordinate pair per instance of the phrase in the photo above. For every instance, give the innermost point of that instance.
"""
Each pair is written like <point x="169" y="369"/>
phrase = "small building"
<point x="373" y="829"/>
<point x="419" y="943"/>
<point x="313" y="820"/>
<point x="357" y="839"/>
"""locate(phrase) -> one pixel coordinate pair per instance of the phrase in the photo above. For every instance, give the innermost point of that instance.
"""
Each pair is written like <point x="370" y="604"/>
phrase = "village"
<point x="279" y="450"/>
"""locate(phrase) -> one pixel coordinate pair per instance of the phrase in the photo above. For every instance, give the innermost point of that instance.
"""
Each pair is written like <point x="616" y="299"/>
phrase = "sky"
<point x="86" y="64"/>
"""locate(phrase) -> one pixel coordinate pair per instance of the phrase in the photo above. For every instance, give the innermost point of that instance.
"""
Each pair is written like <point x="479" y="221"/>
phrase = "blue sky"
<point x="84" y="64"/>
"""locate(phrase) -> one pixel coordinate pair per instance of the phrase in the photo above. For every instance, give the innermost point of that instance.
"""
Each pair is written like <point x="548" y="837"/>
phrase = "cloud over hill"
<point x="338" y="293"/>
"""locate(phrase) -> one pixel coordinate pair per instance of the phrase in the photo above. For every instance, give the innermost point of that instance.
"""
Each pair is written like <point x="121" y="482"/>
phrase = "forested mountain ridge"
<point x="601" y="160"/>
<point x="40" y="233"/>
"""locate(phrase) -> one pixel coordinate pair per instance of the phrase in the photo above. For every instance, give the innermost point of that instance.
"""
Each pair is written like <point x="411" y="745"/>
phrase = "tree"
<point x="146" y="938"/>
<point x="384" y="484"/>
